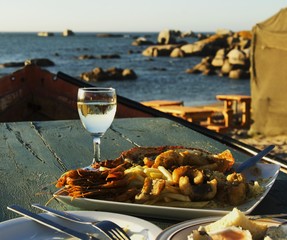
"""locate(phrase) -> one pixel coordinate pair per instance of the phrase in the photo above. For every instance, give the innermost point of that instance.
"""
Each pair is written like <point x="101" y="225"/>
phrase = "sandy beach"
<point x="260" y="142"/>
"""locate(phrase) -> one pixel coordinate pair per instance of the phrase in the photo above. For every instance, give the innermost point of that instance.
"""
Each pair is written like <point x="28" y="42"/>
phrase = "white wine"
<point x="96" y="117"/>
<point x="97" y="109"/>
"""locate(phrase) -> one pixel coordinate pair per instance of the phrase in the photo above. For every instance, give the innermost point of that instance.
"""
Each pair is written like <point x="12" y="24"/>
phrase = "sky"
<point x="134" y="15"/>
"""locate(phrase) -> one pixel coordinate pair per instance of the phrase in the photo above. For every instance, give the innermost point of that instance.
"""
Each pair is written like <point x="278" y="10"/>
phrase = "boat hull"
<point x="35" y="94"/>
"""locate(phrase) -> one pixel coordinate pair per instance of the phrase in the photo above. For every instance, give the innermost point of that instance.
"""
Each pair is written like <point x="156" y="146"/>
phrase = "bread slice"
<point x="238" y="219"/>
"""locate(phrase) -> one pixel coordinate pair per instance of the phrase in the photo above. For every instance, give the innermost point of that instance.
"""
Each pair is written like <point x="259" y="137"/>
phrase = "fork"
<point x="108" y="228"/>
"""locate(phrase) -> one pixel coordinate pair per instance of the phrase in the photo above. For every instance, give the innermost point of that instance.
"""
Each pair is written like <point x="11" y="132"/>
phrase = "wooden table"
<point x="191" y="114"/>
<point x="244" y="101"/>
<point x="161" y="103"/>
<point x="33" y="156"/>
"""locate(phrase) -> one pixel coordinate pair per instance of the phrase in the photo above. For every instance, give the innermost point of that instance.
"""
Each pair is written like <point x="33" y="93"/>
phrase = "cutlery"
<point x="110" y="229"/>
<point x="49" y="223"/>
<point x="253" y="160"/>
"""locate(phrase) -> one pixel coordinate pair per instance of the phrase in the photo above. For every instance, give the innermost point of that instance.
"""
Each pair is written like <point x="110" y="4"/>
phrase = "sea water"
<point x="157" y="78"/>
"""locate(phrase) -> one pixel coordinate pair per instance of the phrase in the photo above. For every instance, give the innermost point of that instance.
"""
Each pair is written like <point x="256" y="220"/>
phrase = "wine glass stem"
<point x="97" y="150"/>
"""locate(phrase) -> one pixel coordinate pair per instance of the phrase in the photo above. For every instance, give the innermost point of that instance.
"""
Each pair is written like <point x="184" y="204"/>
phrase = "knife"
<point x="49" y="223"/>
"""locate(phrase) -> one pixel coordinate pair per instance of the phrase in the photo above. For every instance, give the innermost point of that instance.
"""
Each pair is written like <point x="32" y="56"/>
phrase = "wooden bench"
<point x="236" y="105"/>
<point x="227" y="115"/>
<point x="161" y="103"/>
<point x="191" y="114"/>
<point x="218" y="128"/>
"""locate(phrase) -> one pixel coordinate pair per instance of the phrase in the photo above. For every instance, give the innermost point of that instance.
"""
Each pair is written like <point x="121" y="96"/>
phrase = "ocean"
<point x="158" y="78"/>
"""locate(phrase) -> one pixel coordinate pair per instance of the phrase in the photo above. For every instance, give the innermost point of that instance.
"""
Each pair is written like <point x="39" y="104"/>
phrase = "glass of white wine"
<point x="97" y="108"/>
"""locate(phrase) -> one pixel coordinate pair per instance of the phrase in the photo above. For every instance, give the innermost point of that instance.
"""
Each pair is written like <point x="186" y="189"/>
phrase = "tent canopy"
<point x="269" y="75"/>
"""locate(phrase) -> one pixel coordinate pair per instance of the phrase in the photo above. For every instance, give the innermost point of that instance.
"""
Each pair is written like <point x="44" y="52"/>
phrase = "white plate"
<point x="23" y="228"/>
<point x="266" y="171"/>
<point x="182" y="230"/>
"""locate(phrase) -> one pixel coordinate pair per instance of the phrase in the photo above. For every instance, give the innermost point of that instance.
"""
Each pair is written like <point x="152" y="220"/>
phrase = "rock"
<point x="68" y="33"/>
<point x="209" y="71"/>
<point x="193" y="70"/>
<point x="226" y="67"/>
<point x="201" y="36"/>
<point x="12" y="64"/>
<point x="159" y="50"/>
<point x="98" y="74"/>
<point x="177" y="52"/>
<point x="203" y="67"/>
<point x="115" y="73"/>
<point x="247" y="52"/>
<point x="129" y="74"/>
<point x="148" y="52"/>
<point x="109" y="56"/>
<point x="167" y="36"/>
<point x="227" y="51"/>
<point x="45" y="34"/>
<point x="109" y="35"/>
<point x="142" y="41"/>
<point x="244" y="35"/>
<point x="238" y="74"/>
<point x="192" y="49"/>
<point x="188" y="34"/>
<point x="206" y="47"/>
<point x="233" y="41"/>
<point x="224" y="32"/>
<point x="43" y="62"/>
<point x="158" y="69"/>
<point x="219" y="58"/>
<point x="85" y="56"/>
<point x="236" y="57"/>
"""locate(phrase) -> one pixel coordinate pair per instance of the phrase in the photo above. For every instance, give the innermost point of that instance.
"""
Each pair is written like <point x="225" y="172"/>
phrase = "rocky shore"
<point x="224" y="53"/>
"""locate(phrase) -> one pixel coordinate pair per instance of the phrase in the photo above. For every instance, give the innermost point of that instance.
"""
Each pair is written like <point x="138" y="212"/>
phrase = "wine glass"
<point x="97" y="109"/>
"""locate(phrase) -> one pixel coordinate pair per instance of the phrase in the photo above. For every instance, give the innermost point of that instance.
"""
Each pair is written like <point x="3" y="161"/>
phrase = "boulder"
<point x="98" y="74"/>
<point x="68" y="33"/>
<point x="223" y="31"/>
<point x="148" y="52"/>
<point x="167" y="36"/>
<point x="226" y="67"/>
<point x="108" y="56"/>
<point x="159" y="50"/>
<point x="12" y="64"/>
<point x="188" y="34"/>
<point x="236" y="57"/>
<point x="205" y="47"/>
<point x="229" y="53"/>
<point x="192" y="48"/>
<point x="86" y="56"/>
<point x="238" y="74"/>
<point x="42" y="62"/>
<point x="109" y="35"/>
<point x="129" y="74"/>
<point x="219" y="58"/>
<point x="142" y="41"/>
<point x="45" y="34"/>
<point x="203" y="67"/>
<point x="177" y="52"/>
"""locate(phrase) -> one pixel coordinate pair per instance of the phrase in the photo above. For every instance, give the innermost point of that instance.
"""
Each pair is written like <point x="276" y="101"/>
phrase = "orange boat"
<point x="35" y="94"/>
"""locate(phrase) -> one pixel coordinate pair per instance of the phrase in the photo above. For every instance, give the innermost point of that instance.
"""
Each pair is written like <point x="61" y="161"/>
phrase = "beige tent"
<point x="269" y="75"/>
